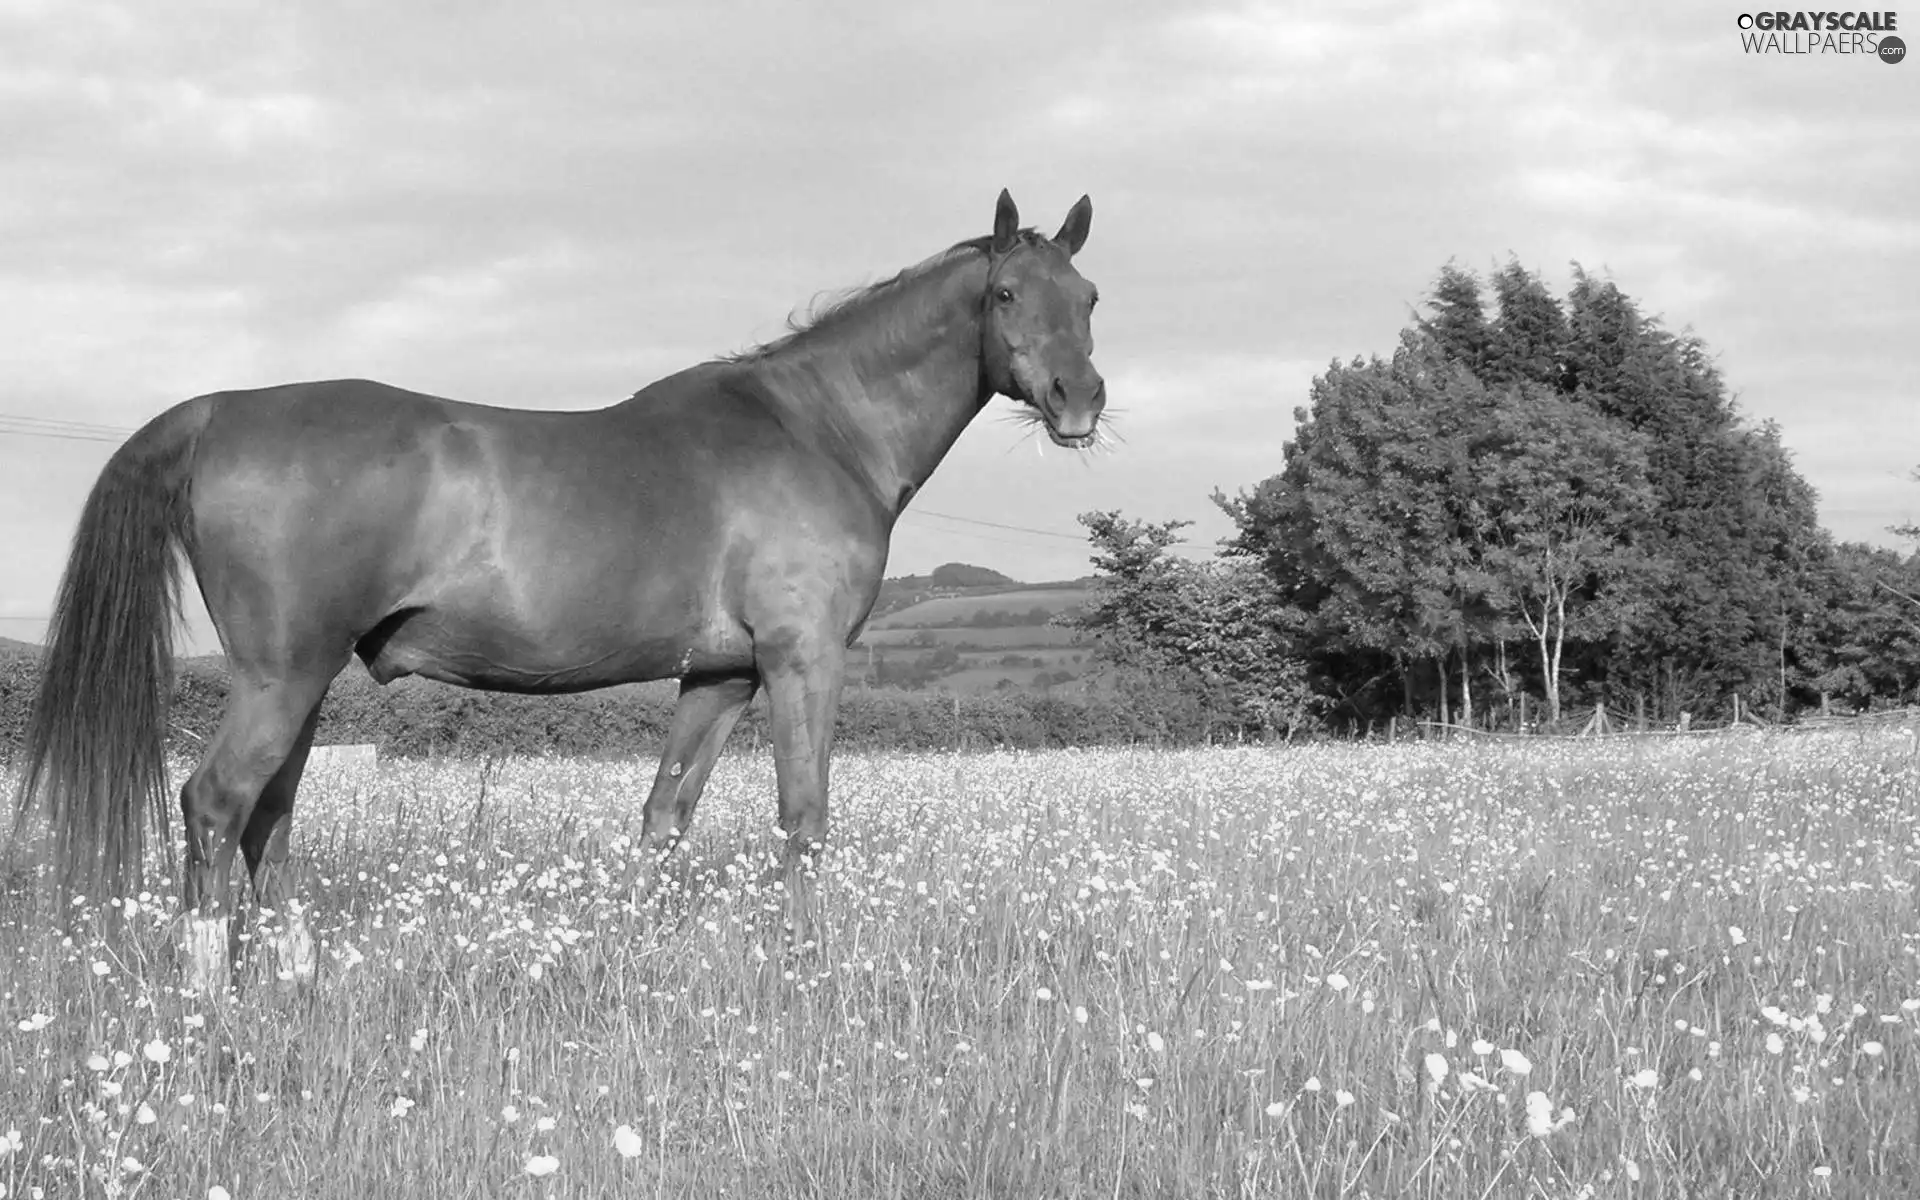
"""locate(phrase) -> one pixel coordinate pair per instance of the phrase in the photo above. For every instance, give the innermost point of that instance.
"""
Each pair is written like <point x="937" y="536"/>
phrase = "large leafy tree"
<point x="1364" y="526"/>
<point x="1559" y="493"/>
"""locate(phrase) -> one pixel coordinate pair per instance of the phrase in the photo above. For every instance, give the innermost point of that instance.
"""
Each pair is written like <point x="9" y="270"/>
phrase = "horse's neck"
<point x="892" y="398"/>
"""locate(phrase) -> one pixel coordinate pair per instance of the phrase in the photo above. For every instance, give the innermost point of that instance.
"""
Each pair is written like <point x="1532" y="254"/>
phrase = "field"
<point x="1557" y="969"/>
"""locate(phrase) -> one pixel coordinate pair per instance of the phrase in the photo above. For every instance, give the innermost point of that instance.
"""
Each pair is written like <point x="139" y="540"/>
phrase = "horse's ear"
<point x="1006" y="224"/>
<point x="1073" y="233"/>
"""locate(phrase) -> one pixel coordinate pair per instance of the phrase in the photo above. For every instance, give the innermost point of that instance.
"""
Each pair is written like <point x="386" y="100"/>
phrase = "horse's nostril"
<point x="1058" y="391"/>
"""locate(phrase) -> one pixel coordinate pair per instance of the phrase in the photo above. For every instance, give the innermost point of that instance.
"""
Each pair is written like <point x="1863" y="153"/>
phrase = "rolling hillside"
<point x="966" y="629"/>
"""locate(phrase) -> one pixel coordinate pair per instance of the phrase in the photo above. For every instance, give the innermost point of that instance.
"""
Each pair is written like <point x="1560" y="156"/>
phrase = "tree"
<point x="1364" y="526"/>
<point x="1561" y="491"/>
<point x="1212" y="635"/>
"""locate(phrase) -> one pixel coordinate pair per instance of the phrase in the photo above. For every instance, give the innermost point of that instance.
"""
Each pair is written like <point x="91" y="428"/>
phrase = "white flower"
<point x="1774" y="1044"/>
<point x="418" y="1041"/>
<point x="1872" y="1049"/>
<point x="1735" y="936"/>
<point x="1482" y="1047"/>
<point x="1080" y="1014"/>
<point x="400" y="1106"/>
<point x="1312" y="1084"/>
<point x="144" y="1114"/>
<point x="1043" y="994"/>
<point x="1156" y="1043"/>
<point x="1645" y="1078"/>
<point x="1338" y="982"/>
<point x="216" y="1192"/>
<point x="1342" y="1097"/>
<point x="1539" y="1114"/>
<point x="628" y="1143"/>
<point x="1515" y="1062"/>
<point x="542" y="1164"/>
<point x="157" y="1051"/>
<point x="1436" y="1068"/>
<point x="1277" y="1108"/>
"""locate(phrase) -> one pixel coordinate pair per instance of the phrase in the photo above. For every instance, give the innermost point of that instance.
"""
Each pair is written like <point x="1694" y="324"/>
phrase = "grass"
<point x="1624" y="968"/>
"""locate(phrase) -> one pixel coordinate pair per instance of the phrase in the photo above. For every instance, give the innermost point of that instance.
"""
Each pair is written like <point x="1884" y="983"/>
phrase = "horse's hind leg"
<point x="264" y="843"/>
<point x="265" y="721"/>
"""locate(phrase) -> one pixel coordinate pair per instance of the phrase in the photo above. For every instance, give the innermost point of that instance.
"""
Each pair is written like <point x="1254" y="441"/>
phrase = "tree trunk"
<point x="1466" y="688"/>
<point x="1444" y="713"/>
<point x="1549" y="671"/>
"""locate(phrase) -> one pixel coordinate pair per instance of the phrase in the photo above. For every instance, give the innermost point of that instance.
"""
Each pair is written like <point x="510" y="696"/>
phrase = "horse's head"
<point x="1037" y="336"/>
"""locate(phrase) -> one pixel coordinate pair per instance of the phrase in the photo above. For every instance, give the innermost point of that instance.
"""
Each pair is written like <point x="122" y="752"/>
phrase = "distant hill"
<point x="12" y="647"/>
<point x="968" y="629"/>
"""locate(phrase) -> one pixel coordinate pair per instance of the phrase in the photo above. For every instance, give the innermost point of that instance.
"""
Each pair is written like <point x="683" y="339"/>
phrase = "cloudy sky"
<point x="550" y="207"/>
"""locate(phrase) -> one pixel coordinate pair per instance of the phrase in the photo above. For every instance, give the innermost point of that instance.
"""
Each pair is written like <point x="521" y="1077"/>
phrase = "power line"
<point x="22" y="425"/>
<point x="927" y="512"/>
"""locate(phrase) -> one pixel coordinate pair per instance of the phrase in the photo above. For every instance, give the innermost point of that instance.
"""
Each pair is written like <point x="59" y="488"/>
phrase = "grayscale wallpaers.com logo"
<point x="1862" y="33"/>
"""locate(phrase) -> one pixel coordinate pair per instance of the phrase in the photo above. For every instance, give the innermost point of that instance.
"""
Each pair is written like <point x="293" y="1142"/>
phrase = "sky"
<point x="551" y="207"/>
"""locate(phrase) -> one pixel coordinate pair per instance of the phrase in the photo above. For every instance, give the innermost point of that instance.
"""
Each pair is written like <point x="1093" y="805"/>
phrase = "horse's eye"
<point x="1004" y="295"/>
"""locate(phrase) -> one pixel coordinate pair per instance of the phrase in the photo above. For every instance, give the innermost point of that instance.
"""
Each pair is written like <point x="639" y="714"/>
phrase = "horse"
<point x="726" y="526"/>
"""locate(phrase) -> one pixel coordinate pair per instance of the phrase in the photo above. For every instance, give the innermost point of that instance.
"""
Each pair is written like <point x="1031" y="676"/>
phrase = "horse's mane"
<point x="834" y="309"/>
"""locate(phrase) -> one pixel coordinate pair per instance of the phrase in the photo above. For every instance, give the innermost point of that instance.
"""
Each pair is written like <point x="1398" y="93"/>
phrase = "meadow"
<point x="1680" y="967"/>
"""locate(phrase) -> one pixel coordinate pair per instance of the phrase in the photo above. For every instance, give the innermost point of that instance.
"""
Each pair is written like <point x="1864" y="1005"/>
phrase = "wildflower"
<point x="1436" y="1070"/>
<point x="418" y="1041"/>
<point x="1080" y="1014"/>
<point x="1156" y="1043"/>
<point x="400" y="1106"/>
<point x="144" y="1114"/>
<point x="216" y="1192"/>
<point x="1735" y="936"/>
<point x="1338" y="982"/>
<point x="35" y="1023"/>
<point x="1277" y="1108"/>
<point x="628" y="1143"/>
<point x="509" y="1114"/>
<point x="101" y="970"/>
<point x="1645" y="1078"/>
<point x="1482" y="1047"/>
<point x="544" y="1125"/>
<point x="542" y="1164"/>
<point x="1312" y="1084"/>
<point x="97" y="1062"/>
<point x="1043" y="994"/>
<point x="1774" y="1044"/>
<point x="1343" y="1098"/>
<point x="157" y="1051"/>
<point x="1872" y="1049"/>
<point x="1539" y="1115"/>
<point x="1516" y="1062"/>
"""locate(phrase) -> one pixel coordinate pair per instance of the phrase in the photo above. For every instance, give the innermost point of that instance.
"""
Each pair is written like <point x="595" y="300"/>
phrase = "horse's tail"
<point x="95" y="747"/>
